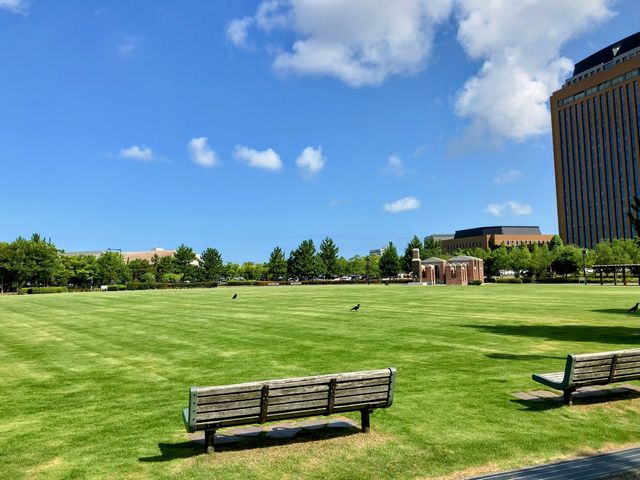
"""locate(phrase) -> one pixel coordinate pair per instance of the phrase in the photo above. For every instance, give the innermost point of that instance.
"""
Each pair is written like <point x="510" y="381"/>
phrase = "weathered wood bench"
<point x="592" y="369"/>
<point x="211" y="408"/>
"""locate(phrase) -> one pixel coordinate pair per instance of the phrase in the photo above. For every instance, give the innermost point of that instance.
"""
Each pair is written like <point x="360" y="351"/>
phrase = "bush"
<point x="508" y="280"/>
<point x="116" y="288"/>
<point x="37" y="290"/>
<point x="475" y="282"/>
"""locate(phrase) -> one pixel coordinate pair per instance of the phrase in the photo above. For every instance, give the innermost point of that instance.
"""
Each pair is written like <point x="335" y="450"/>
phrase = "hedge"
<point x="37" y="290"/>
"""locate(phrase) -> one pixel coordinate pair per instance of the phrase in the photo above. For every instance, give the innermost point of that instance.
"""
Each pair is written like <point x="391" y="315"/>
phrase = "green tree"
<point x="555" y="242"/>
<point x="7" y="275"/>
<point x="232" y="270"/>
<point x="389" y="261"/>
<point x="328" y="257"/>
<point x="277" y="265"/>
<point x="110" y="268"/>
<point x="497" y="260"/>
<point x="408" y="253"/>
<point x="211" y="265"/>
<point x="138" y="268"/>
<point x="184" y="259"/>
<point x="162" y="266"/>
<point x="432" y="247"/>
<point x="540" y="262"/>
<point x="634" y="214"/>
<point x="357" y="265"/>
<point x="303" y="262"/>
<point x="342" y="266"/>
<point x="567" y="260"/>
<point x="519" y="259"/>
<point x="372" y="266"/>
<point x="81" y="269"/>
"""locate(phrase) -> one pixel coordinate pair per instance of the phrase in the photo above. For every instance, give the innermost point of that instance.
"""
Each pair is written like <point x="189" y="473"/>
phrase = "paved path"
<point x="589" y="468"/>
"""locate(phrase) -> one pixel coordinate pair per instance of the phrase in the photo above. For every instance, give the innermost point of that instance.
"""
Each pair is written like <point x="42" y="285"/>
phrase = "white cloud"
<point x="354" y="40"/>
<point x="15" y="6"/>
<point x="508" y="208"/>
<point x="135" y="152"/>
<point x="404" y="204"/>
<point x="201" y="152"/>
<point x="128" y="45"/>
<point x="395" y="165"/>
<point x="311" y="161"/>
<point x="520" y="43"/>
<point x="421" y="150"/>
<point x="266" y="159"/>
<point x="508" y="176"/>
<point x="237" y="31"/>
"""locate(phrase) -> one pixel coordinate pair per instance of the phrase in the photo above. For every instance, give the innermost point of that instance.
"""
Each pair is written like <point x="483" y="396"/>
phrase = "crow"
<point x="356" y="308"/>
<point x="633" y="309"/>
<point x="235" y="295"/>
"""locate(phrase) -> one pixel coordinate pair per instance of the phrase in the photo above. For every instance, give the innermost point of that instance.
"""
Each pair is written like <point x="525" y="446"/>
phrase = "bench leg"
<point x="568" y="400"/>
<point x="366" y="422"/>
<point x="209" y="440"/>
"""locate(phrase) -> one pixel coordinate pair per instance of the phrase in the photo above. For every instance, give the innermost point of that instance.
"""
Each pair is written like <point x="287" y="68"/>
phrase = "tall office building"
<point x="595" y="118"/>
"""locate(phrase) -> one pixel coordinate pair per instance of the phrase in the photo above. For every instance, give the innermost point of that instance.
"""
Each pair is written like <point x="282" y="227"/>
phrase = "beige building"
<point x="493" y="237"/>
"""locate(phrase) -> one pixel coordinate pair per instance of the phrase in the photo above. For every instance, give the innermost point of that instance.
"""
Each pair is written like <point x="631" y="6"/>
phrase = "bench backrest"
<point x="259" y="402"/>
<point x="603" y="368"/>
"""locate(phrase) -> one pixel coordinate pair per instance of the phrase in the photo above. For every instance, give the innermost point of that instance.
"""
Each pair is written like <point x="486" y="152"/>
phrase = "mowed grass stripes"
<point x="93" y="384"/>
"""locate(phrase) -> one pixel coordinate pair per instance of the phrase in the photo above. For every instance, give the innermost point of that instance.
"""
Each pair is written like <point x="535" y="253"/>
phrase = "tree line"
<point x="38" y="262"/>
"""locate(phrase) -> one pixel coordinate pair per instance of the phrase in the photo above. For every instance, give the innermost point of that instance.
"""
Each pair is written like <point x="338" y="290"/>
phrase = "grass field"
<point x="92" y="385"/>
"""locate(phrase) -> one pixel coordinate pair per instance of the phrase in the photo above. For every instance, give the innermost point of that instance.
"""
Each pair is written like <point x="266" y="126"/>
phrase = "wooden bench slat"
<point x="281" y="392"/>
<point x="374" y="397"/>
<point x="221" y="407"/>
<point x="361" y="391"/>
<point x="241" y="412"/>
<point x="232" y="397"/>
<point x="363" y="383"/>
<point x="298" y="398"/>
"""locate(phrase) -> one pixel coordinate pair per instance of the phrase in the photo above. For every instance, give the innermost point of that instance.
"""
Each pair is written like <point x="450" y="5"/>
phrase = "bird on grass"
<point x="356" y="308"/>
<point x="633" y="309"/>
<point x="235" y="295"/>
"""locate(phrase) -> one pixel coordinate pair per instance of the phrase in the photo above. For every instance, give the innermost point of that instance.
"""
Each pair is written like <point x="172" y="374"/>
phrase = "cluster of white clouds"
<point x="507" y="176"/>
<point x="363" y="43"/>
<point x="310" y="161"/>
<point x="15" y="6"/>
<point x="511" y="208"/>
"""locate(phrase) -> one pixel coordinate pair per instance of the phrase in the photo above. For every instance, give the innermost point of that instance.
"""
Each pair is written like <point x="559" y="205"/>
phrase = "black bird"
<point x="356" y="308"/>
<point x="633" y="309"/>
<point x="235" y="295"/>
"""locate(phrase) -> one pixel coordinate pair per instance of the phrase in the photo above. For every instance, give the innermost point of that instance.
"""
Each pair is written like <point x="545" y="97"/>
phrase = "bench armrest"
<point x="185" y="419"/>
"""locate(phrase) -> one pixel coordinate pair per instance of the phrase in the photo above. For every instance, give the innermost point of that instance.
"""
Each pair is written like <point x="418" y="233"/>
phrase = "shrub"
<point x="475" y="282"/>
<point x="36" y="290"/>
<point x="116" y="288"/>
<point x="508" y="280"/>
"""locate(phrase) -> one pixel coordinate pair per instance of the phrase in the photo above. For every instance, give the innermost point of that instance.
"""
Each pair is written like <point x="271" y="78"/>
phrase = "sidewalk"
<point x="596" y="467"/>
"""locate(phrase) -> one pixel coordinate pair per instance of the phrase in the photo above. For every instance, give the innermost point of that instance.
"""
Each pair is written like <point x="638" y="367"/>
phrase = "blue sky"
<point x="243" y="125"/>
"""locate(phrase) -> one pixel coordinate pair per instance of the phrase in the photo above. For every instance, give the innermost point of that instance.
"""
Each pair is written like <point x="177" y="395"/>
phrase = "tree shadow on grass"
<point x="174" y="451"/>
<point x="510" y="356"/>
<point x="620" y="311"/>
<point x="568" y="333"/>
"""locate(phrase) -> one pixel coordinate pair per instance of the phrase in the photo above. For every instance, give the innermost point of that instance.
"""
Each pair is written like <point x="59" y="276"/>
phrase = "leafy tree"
<point x="328" y="257"/>
<point x="342" y="266"/>
<point x="6" y="273"/>
<point x="162" y="266"/>
<point x="540" y="262"/>
<point x="138" y="268"/>
<point x="372" y="266"/>
<point x="519" y="259"/>
<point x="555" y="242"/>
<point x="408" y="253"/>
<point x="212" y="266"/>
<point x="111" y="268"/>
<point x="567" y="260"/>
<point x="149" y="277"/>
<point x="389" y="261"/>
<point x="277" y="265"/>
<point x="303" y="262"/>
<point x="232" y="269"/>
<point x="357" y="265"/>
<point x="432" y="247"/>
<point x="171" y="277"/>
<point x="252" y="271"/>
<point x="183" y="259"/>
<point x="81" y="269"/>
<point x="497" y="260"/>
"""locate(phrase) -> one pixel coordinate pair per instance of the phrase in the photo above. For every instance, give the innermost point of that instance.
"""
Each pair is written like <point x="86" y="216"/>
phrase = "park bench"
<point x="592" y="369"/>
<point x="211" y="408"/>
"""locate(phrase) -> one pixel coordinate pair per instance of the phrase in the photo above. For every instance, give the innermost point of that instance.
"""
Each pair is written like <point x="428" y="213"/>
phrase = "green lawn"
<point x="92" y="385"/>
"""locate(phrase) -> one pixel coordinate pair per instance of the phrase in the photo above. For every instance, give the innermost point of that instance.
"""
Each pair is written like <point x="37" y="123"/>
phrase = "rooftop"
<point x="608" y="53"/>
<point x="498" y="230"/>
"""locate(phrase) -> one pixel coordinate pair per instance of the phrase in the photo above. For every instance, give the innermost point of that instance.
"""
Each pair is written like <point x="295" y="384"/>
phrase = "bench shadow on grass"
<point x="513" y="356"/>
<point x="568" y="333"/>
<point x="174" y="451"/>
<point x="619" y="311"/>
<point x="580" y="398"/>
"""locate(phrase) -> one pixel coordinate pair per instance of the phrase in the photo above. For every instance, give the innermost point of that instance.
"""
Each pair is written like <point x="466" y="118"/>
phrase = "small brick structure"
<point x="460" y="270"/>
